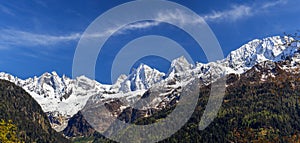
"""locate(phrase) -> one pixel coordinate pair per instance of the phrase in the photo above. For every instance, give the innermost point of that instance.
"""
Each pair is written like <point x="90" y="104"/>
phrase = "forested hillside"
<point x="22" y="119"/>
<point x="261" y="105"/>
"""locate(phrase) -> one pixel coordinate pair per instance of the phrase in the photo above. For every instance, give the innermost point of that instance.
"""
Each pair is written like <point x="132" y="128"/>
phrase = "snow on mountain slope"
<point x="142" y="78"/>
<point x="257" y="51"/>
<point x="166" y="91"/>
<point x="59" y="97"/>
<point x="62" y="96"/>
<point x="179" y="65"/>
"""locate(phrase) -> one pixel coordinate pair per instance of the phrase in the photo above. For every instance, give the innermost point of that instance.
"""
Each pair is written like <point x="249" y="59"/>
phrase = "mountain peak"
<point x="54" y="73"/>
<point x="179" y="65"/>
<point x="256" y="51"/>
<point x="180" y="60"/>
<point x="143" y="67"/>
<point x="142" y="78"/>
<point x="144" y="70"/>
<point x="46" y="74"/>
<point x="121" y="78"/>
<point x="67" y="96"/>
<point x="82" y="77"/>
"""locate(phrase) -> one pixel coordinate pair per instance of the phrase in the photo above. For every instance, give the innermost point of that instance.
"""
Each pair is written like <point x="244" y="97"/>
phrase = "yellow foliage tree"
<point x="8" y="132"/>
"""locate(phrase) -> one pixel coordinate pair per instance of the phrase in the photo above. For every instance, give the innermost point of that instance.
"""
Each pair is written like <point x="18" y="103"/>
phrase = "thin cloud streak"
<point x="17" y="38"/>
<point x="115" y="31"/>
<point x="233" y="14"/>
<point x="141" y="25"/>
<point x="237" y="12"/>
<point x="12" y="38"/>
<point x="178" y="16"/>
<point x="131" y="27"/>
<point x="272" y="4"/>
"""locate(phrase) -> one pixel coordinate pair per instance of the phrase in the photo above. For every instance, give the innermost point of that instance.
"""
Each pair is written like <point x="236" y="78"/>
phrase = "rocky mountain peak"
<point x="179" y="65"/>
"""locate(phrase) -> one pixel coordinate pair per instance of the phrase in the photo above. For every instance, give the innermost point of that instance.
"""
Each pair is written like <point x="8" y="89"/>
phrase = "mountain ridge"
<point x="64" y="96"/>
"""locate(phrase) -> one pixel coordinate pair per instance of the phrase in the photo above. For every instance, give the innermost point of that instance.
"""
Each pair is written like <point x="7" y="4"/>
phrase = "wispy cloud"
<point x="17" y="38"/>
<point x="273" y="3"/>
<point x="236" y="12"/>
<point x="178" y="16"/>
<point x="31" y="55"/>
<point x="231" y="14"/>
<point x="6" y="10"/>
<point x="114" y="31"/>
<point x="12" y="38"/>
<point x="129" y="27"/>
<point x="141" y="25"/>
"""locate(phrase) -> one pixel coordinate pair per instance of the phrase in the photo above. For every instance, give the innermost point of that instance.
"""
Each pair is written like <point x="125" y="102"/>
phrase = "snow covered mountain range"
<point x="62" y="97"/>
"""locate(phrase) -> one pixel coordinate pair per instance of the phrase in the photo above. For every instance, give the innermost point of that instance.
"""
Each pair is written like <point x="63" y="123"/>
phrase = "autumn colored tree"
<point x="8" y="132"/>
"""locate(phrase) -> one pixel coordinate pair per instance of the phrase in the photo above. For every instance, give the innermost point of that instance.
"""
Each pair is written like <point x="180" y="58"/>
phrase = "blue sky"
<point x="41" y="36"/>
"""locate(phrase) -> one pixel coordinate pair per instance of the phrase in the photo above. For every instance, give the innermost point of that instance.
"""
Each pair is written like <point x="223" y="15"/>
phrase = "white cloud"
<point x="178" y="16"/>
<point x="11" y="37"/>
<point x="273" y="3"/>
<point x="237" y="12"/>
<point x="234" y="13"/>
<point x="135" y="26"/>
<point x="124" y="30"/>
<point x="141" y="25"/>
